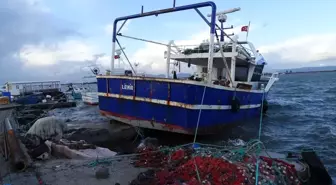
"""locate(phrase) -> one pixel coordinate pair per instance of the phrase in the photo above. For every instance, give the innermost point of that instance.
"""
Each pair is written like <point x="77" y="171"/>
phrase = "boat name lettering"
<point x="127" y="87"/>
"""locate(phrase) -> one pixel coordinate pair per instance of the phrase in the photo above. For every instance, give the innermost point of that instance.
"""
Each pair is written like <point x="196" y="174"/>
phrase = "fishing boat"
<point x="73" y="92"/>
<point x="225" y="89"/>
<point x="89" y="96"/>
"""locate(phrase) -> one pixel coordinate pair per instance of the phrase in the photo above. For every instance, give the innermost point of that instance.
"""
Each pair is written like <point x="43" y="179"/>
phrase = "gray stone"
<point x="99" y="133"/>
<point x="48" y="128"/>
<point x="102" y="173"/>
<point x="149" y="142"/>
<point x="90" y="135"/>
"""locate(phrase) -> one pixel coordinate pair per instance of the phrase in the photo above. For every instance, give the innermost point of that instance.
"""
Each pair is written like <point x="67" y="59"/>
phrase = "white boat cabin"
<point x="244" y="64"/>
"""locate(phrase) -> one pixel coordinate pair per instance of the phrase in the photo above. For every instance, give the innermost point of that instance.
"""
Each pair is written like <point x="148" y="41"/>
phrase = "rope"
<point x="144" y="40"/>
<point x="259" y="135"/>
<point x="261" y="113"/>
<point x="125" y="56"/>
<point x="225" y="63"/>
<point x="199" y="115"/>
<point x="138" y="131"/>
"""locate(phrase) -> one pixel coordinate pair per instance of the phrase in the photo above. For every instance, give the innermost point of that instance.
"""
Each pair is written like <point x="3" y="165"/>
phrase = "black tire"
<point x="235" y="105"/>
<point x="265" y="106"/>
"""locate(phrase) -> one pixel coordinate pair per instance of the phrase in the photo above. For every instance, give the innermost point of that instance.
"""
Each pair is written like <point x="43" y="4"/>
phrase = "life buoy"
<point x="235" y="105"/>
<point x="265" y="106"/>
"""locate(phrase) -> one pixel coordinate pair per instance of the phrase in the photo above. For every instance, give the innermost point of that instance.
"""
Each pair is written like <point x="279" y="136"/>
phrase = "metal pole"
<point x="122" y="25"/>
<point x="126" y="57"/>
<point x="112" y="56"/>
<point x="224" y="60"/>
<point x="211" y="45"/>
<point x="168" y="10"/>
<point x="248" y="29"/>
<point x="168" y="59"/>
<point x="14" y="147"/>
<point x="5" y="142"/>
<point x="129" y="37"/>
<point x="222" y="32"/>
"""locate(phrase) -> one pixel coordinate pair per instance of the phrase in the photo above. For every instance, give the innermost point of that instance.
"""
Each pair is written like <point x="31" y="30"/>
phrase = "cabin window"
<point x="204" y="70"/>
<point x="241" y="73"/>
<point x="17" y="87"/>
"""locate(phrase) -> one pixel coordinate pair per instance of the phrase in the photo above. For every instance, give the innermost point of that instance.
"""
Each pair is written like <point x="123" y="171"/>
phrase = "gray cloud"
<point x="23" y="23"/>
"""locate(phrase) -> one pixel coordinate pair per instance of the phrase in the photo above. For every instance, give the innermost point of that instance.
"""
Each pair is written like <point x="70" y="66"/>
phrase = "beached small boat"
<point x="74" y="92"/>
<point x="225" y="89"/>
<point x="90" y="98"/>
<point x="90" y="95"/>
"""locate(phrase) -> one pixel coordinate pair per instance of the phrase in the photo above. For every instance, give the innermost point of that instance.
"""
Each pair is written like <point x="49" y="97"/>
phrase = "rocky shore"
<point x="61" y="146"/>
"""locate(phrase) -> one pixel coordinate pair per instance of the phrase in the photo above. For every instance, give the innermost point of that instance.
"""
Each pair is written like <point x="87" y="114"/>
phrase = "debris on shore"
<point x="45" y="139"/>
<point x="57" y="150"/>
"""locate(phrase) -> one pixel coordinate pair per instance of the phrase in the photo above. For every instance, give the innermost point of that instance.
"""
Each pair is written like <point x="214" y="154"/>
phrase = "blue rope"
<point x="261" y="114"/>
<point x="199" y="115"/>
<point x="195" y="136"/>
<point x="259" y="135"/>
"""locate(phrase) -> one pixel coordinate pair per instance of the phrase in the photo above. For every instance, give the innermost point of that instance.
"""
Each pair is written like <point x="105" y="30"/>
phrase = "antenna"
<point x="222" y="19"/>
<point x="93" y="67"/>
<point x="118" y="51"/>
<point x="226" y="11"/>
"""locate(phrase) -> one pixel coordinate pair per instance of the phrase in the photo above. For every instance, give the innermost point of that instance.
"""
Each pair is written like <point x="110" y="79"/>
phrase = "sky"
<point x="57" y="39"/>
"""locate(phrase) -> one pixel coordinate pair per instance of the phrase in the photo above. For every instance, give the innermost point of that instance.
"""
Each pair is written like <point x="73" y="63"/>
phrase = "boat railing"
<point x="191" y="49"/>
<point x="227" y="47"/>
<point x="245" y="51"/>
<point x="275" y="75"/>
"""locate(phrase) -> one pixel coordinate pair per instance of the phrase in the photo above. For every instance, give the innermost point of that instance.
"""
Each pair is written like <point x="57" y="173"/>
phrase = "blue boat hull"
<point x="174" y="105"/>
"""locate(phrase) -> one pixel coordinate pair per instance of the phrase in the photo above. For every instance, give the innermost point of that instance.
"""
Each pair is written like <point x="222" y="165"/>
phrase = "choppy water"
<point x="302" y="114"/>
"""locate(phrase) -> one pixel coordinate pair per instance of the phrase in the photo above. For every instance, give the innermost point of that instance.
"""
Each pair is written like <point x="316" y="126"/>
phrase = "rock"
<point x="48" y="128"/>
<point x="28" y="116"/>
<point x="149" y="142"/>
<point x="41" y="151"/>
<point x="36" y="112"/>
<point x="90" y="135"/>
<point x="44" y="156"/>
<point x="102" y="173"/>
<point x="31" y="141"/>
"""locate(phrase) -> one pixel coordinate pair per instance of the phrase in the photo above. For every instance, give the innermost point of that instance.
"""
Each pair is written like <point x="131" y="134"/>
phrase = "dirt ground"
<point x="72" y="172"/>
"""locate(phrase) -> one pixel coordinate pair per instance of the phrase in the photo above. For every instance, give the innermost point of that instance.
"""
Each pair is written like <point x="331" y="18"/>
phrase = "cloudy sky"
<point x="54" y="39"/>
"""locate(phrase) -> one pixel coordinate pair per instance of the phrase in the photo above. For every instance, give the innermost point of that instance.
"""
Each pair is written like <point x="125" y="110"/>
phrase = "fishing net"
<point x="207" y="165"/>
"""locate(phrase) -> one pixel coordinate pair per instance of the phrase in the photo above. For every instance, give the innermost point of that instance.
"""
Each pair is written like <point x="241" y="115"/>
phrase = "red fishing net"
<point x="183" y="166"/>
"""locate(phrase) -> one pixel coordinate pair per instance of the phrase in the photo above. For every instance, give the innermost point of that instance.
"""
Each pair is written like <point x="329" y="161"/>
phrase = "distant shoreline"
<point x="309" y="72"/>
